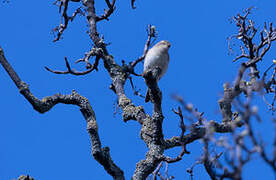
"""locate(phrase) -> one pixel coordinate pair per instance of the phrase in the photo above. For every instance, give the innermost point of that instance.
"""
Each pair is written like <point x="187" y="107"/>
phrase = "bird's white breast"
<point x="157" y="57"/>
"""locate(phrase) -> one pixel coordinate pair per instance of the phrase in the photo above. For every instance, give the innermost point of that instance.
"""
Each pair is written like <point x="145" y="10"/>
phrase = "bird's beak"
<point x="169" y="44"/>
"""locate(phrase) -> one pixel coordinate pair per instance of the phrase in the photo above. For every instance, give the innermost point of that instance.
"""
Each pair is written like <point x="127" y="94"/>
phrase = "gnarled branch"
<point x="101" y="154"/>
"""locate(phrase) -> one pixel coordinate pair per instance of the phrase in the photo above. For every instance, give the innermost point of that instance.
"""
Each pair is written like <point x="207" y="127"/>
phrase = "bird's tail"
<point x="147" y="98"/>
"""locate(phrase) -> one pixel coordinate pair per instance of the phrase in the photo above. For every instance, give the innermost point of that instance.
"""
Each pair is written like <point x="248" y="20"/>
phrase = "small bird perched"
<point x="157" y="57"/>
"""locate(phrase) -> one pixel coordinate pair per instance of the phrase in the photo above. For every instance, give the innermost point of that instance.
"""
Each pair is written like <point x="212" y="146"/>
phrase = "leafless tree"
<point x="235" y="105"/>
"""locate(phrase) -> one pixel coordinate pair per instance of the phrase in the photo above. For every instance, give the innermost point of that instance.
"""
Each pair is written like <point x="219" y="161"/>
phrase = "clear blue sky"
<point x="56" y="145"/>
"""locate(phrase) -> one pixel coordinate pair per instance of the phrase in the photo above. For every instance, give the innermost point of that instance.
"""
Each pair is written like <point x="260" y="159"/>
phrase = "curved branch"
<point x="101" y="154"/>
<point x="72" y="71"/>
<point x="199" y="132"/>
<point x="107" y="13"/>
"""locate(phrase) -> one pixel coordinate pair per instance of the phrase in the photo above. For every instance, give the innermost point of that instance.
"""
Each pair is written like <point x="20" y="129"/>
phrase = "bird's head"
<point x="164" y="44"/>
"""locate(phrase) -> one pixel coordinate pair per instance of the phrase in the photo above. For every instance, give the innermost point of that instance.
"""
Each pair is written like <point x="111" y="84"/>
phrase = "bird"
<point x="157" y="57"/>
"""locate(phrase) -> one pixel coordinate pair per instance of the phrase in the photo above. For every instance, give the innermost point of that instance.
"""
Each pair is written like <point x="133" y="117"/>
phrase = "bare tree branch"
<point x="97" y="52"/>
<point x="64" y="17"/>
<point x="107" y="13"/>
<point x="101" y="154"/>
<point x="151" y="126"/>
<point x="151" y="31"/>
<point x="23" y="177"/>
<point x="132" y="4"/>
<point x="72" y="71"/>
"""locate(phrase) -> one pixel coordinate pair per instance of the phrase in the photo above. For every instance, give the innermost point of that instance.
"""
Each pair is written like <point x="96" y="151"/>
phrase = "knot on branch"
<point x="97" y="52"/>
<point x="23" y="87"/>
<point x="129" y="68"/>
<point x="132" y="112"/>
